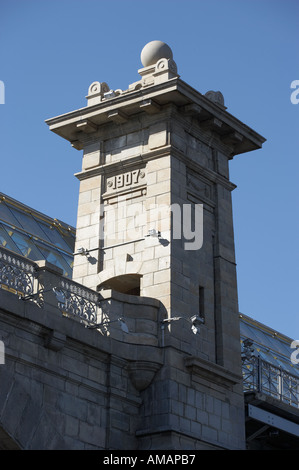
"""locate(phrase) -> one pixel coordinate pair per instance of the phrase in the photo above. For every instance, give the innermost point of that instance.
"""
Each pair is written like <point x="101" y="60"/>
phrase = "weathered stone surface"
<point x="109" y="360"/>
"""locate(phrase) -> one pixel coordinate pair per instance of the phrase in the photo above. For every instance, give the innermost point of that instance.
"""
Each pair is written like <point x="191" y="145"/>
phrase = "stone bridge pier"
<point x="141" y="349"/>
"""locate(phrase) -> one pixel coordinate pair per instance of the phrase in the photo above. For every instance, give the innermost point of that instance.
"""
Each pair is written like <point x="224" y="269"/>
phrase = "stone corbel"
<point x="213" y="124"/>
<point x="150" y="106"/>
<point x="196" y="111"/>
<point x="77" y="144"/>
<point x="142" y="373"/>
<point x="232" y="138"/>
<point x="117" y="116"/>
<point x="86" y="126"/>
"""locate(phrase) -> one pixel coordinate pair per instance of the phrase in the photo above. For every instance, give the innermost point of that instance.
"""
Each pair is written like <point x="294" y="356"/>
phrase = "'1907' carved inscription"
<point x="131" y="178"/>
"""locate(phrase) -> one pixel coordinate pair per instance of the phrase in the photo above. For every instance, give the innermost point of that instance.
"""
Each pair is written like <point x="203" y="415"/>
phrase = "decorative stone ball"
<point x="154" y="51"/>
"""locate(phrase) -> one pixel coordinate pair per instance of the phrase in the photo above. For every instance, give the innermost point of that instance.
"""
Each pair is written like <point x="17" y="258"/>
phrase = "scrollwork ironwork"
<point x="77" y="302"/>
<point x="16" y="274"/>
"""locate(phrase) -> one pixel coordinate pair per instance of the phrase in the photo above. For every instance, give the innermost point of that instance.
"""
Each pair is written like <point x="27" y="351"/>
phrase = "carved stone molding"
<point x="96" y="92"/>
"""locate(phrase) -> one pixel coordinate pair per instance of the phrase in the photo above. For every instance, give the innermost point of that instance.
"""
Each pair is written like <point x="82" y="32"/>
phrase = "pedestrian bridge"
<point x="271" y="387"/>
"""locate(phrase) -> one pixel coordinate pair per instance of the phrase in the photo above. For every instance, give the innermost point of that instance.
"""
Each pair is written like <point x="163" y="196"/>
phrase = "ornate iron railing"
<point x="16" y="273"/>
<point x="259" y="375"/>
<point x="21" y="276"/>
<point x="76" y="301"/>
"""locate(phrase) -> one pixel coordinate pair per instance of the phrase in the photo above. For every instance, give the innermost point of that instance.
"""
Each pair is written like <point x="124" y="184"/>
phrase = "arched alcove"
<point x="125" y="283"/>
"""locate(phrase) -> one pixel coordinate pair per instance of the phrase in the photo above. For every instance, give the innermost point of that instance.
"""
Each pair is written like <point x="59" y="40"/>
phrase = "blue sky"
<point x="51" y="51"/>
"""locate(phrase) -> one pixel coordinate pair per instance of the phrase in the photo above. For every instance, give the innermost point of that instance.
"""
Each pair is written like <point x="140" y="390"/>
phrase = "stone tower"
<point x="155" y="221"/>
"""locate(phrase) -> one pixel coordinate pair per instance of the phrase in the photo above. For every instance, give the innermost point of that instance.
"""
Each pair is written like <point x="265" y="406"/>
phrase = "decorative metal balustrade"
<point x="16" y="273"/>
<point x="77" y="301"/>
<point x="261" y="376"/>
<point x="21" y="277"/>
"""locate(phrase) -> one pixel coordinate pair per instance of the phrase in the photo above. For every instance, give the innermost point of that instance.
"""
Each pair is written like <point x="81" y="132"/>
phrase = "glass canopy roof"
<point x="35" y="235"/>
<point x="269" y="344"/>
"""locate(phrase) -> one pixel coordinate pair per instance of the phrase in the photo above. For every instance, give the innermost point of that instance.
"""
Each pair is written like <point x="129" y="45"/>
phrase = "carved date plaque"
<point x="125" y="180"/>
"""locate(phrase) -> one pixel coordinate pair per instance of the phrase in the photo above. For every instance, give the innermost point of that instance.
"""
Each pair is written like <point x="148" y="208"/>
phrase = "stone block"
<point x="209" y="434"/>
<point x="83" y="221"/>
<point x="195" y="429"/>
<point x="159" y="188"/>
<point x="214" y="421"/>
<point x="72" y="427"/>
<point x="157" y="136"/>
<point x="84" y="197"/>
<point x="73" y="406"/>
<point x="94" y="435"/>
<point x="91" y="160"/>
<point x="90" y="183"/>
<point x="162" y="276"/>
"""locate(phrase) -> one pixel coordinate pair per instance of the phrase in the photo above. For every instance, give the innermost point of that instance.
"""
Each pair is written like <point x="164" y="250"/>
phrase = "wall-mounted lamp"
<point x="153" y="233"/>
<point x="195" y="321"/>
<point x="81" y="251"/>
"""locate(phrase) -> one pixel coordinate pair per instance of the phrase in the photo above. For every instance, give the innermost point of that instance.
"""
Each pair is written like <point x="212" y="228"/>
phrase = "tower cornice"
<point x="76" y="126"/>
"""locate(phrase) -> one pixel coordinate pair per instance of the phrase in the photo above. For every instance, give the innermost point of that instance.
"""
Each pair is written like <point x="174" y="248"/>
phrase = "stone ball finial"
<point x="154" y="51"/>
